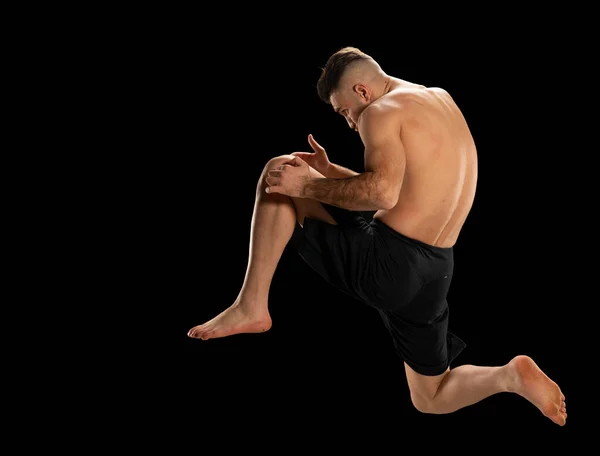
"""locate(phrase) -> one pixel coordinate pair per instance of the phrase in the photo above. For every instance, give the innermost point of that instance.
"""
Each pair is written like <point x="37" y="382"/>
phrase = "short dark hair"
<point x="337" y="63"/>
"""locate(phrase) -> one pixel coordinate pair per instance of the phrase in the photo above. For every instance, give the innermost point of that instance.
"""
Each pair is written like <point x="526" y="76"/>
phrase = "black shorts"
<point x="404" y="279"/>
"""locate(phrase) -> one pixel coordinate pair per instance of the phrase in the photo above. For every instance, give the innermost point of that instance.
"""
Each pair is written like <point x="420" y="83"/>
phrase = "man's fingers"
<point x="272" y="180"/>
<point x="292" y="161"/>
<point x="314" y="144"/>
<point x="273" y="189"/>
<point x="304" y="156"/>
<point x="277" y="172"/>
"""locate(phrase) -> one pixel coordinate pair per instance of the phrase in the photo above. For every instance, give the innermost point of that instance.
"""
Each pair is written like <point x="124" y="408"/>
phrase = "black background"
<point x="228" y="100"/>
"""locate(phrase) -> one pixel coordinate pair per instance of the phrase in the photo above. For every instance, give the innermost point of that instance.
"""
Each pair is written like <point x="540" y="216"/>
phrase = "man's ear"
<point x="362" y="91"/>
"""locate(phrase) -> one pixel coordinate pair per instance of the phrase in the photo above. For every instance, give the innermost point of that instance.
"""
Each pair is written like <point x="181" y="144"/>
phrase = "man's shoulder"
<point x="381" y="114"/>
<point x="389" y="108"/>
<point x="411" y="102"/>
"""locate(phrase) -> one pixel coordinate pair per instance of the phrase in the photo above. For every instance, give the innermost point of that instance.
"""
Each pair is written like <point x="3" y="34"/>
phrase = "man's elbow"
<point x="389" y="199"/>
<point x="388" y="192"/>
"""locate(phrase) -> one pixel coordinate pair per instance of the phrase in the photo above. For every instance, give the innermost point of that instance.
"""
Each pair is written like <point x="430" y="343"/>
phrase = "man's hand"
<point x="317" y="159"/>
<point x="289" y="179"/>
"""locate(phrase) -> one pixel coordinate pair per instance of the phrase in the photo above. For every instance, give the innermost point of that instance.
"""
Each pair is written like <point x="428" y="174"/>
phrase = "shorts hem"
<point x="455" y="347"/>
<point x="428" y="371"/>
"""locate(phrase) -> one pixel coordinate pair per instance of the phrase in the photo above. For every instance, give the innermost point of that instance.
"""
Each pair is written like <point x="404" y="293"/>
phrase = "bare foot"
<point x="535" y="386"/>
<point x="234" y="320"/>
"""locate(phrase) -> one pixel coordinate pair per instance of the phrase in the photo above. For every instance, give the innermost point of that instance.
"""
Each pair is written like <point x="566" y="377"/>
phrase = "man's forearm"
<point x="338" y="172"/>
<point x="361" y="192"/>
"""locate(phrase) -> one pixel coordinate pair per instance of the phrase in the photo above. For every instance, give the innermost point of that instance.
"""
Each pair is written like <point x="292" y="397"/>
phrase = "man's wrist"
<point x="325" y="172"/>
<point x="308" y="190"/>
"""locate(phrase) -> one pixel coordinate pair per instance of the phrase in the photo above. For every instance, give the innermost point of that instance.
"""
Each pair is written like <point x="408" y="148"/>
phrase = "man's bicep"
<point x="384" y="150"/>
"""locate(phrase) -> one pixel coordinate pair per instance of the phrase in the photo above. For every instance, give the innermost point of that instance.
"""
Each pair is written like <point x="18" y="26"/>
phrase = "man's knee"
<point x="423" y="389"/>
<point x="422" y="403"/>
<point x="275" y="162"/>
<point x="272" y="163"/>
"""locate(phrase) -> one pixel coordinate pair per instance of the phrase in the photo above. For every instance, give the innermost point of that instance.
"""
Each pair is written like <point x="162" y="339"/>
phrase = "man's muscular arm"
<point x="357" y="193"/>
<point x="338" y="172"/>
<point x="378" y="187"/>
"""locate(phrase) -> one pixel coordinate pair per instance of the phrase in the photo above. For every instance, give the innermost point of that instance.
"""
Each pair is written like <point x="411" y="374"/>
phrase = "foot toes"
<point x="195" y="333"/>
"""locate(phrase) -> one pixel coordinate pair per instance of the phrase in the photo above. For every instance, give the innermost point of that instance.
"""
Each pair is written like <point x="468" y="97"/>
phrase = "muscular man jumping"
<point x="419" y="180"/>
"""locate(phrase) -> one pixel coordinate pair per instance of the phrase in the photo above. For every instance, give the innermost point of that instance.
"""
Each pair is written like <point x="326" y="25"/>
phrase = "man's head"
<point x="350" y="81"/>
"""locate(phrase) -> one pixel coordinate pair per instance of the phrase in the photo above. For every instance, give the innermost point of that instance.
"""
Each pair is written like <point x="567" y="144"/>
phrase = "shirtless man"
<point x="419" y="181"/>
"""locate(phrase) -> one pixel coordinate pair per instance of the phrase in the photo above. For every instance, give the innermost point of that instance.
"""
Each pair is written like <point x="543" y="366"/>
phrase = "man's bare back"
<point x="441" y="165"/>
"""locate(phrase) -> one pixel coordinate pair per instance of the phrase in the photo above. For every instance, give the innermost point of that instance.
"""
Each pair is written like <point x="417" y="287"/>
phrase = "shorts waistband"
<point x="432" y="248"/>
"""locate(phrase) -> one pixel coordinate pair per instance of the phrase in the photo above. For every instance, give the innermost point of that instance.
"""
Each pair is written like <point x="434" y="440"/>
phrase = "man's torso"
<point x="441" y="166"/>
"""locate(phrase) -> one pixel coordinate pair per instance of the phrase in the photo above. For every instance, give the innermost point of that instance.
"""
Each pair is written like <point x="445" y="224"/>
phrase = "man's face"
<point x="350" y="103"/>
